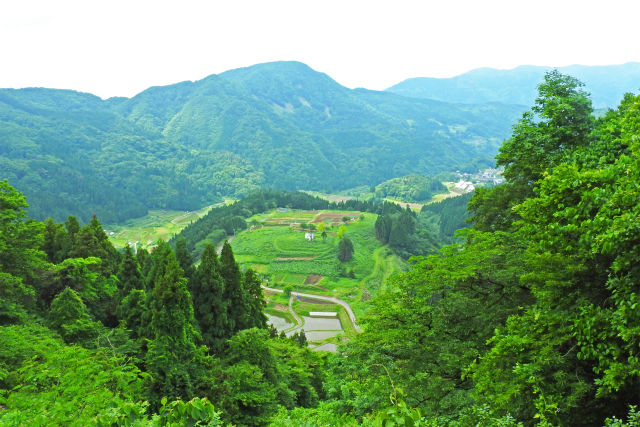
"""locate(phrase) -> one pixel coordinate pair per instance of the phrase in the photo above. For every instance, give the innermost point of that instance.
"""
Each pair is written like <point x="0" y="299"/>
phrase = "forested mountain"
<point x="606" y="84"/>
<point x="182" y="146"/>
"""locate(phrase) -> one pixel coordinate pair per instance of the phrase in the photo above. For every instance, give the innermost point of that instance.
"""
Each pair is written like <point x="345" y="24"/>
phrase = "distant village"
<point x="469" y="181"/>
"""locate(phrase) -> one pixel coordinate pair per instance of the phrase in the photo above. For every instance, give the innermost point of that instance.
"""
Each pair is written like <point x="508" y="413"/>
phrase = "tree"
<point x="172" y="359"/>
<point x="184" y="257"/>
<point x="451" y="302"/>
<point x="73" y="226"/>
<point x="129" y="275"/>
<point x="560" y="122"/>
<point x="210" y="307"/>
<point x="234" y="294"/>
<point x="255" y="302"/>
<point x="345" y="250"/>
<point x="55" y="241"/>
<point x="92" y="241"/>
<point x="19" y="240"/>
<point x="69" y="316"/>
<point x="383" y="228"/>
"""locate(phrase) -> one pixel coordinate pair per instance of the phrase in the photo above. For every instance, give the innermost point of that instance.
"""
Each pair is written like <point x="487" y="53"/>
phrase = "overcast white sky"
<point x="119" y="48"/>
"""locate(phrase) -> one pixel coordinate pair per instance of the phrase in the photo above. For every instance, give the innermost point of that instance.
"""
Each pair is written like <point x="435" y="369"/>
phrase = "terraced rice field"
<point x="286" y="259"/>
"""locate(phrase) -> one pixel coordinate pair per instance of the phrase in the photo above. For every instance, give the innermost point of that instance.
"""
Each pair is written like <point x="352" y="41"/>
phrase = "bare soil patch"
<point x="280" y="307"/>
<point x="312" y="279"/>
<point x="335" y="217"/>
<point x="295" y="258"/>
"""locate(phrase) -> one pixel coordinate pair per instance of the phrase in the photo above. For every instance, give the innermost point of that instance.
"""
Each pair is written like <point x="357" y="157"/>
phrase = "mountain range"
<point x="606" y="83"/>
<point x="278" y="125"/>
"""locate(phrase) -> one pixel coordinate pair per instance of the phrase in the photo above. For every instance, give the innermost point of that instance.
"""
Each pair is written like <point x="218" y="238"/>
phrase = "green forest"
<point x="188" y="145"/>
<point x="528" y="316"/>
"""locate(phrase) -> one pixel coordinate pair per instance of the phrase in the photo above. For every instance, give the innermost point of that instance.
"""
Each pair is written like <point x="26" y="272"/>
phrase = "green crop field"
<point x="284" y="257"/>
<point x="157" y="224"/>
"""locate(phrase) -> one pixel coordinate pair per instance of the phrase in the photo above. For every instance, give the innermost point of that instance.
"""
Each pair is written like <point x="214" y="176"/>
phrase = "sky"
<point x="119" y="48"/>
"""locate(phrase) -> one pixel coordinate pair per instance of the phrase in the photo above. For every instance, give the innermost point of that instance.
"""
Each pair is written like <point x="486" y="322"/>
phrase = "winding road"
<point x="334" y="300"/>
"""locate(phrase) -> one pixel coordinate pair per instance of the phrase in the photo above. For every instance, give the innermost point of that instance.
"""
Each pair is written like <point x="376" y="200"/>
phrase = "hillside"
<point x="607" y="84"/>
<point x="187" y="145"/>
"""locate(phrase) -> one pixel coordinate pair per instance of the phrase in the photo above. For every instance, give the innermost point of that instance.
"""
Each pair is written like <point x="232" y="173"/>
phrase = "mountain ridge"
<point x="606" y="83"/>
<point x="186" y="145"/>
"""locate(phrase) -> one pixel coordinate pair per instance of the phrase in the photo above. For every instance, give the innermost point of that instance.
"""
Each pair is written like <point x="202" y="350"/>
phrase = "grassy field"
<point x="277" y="248"/>
<point x="157" y="224"/>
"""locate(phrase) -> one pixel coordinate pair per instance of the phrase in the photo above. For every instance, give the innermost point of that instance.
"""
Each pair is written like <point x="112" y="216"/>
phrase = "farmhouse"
<point x="463" y="187"/>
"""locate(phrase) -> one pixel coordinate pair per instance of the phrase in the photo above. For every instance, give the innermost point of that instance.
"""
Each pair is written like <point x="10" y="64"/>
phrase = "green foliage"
<point x="50" y="383"/>
<point x="255" y="303"/>
<point x="129" y="274"/>
<point x="410" y="188"/>
<point x="234" y="292"/>
<point x="19" y="240"/>
<point x="92" y="241"/>
<point x="195" y="412"/>
<point x="261" y="373"/>
<point x="69" y="316"/>
<point x="451" y="215"/>
<point x="172" y="359"/>
<point x="632" y="421"/>
<point x="345" y="250"/>
<point x="209" y="304"/>
<point x="14" y="296"/>
<point x="441" y="303"/>
<point x="184" y="257"/>
<point x="322" y="416"/>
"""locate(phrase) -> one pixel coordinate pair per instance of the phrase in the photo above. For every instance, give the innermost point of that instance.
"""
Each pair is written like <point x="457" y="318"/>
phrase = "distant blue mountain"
<point x="607" y="84"/>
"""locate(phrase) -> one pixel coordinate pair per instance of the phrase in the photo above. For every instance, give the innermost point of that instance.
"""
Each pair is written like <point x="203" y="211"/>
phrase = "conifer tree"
<point x="184" y="257"/>
<point x="73" y="226"/>
<point x="144" y="261"/>
<point x="255" y="303"/>
<point x="54" y="236"/>
<point x="172" y="354"/>
<point x="234" y="294"/>
<point x="129" y="273"/>
<point x="157" y="263"/>
<point x="345" y="250"/>
<point x="69" y="316"/>
<point x="383" y="228"/>
<point x="92" y="241"/>
<point x="210" y="308"/>
<point x="131" y="304"/>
